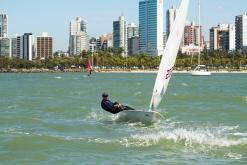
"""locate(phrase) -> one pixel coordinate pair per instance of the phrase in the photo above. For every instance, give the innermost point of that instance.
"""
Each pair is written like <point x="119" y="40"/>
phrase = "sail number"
<point x="169" y="73"/>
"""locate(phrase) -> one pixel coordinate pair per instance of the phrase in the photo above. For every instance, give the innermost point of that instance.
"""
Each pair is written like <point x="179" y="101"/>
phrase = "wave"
<point x="138" y="84"/>
<point x="245" y="98"/>
<point x="58" y="77"/>
<point x="175" y="132"/>
<point x="240" y="134"/>
<point x="235" y="156"/>
<point x="78" y="93"/>
<point x="184" y="84"/>
<point x="12" y="106"/>
<point x="190" y="138"/>
<point x="174" y="94"/>
<point x="137" y="93"/>
<point x="100" y="116"/>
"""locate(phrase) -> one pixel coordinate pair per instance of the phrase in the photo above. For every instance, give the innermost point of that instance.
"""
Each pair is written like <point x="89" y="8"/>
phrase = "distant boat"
<point x="200" y="70"/>
<point x="89" y="67"/>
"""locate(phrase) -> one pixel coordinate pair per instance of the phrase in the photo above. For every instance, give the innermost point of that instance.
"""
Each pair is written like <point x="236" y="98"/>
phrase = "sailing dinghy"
<point x="164" y="73"/>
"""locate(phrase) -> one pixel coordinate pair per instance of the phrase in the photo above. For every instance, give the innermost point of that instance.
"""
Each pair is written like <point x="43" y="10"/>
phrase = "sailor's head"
<point x="104" y="95"/>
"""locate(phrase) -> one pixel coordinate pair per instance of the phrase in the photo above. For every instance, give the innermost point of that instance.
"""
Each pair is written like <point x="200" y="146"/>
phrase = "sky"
<point x="54" y="16"/>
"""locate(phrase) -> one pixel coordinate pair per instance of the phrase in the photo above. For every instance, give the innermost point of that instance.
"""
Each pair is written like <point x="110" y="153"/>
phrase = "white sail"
<point x="169" y="56"/>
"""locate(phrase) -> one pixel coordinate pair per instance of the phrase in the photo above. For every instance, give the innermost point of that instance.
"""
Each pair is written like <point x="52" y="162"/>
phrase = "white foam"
<point x="174" y="94"/>
<point x="58" y="77"/>
<point x="98" y="116"/>
<point x="100" y="141"/>
<point x="245" y="98"/>
<point x="234" y="156"/>
<point x="185" y="85"/>
<point x="240" y="134"/>
<point x="15" y="131"/>
<point x="138" y="84"/>
<point x="189" y="137"/>
<point x="78" y="93"/>
<point x="137" y="93"/>
<point x="12" y="106"/>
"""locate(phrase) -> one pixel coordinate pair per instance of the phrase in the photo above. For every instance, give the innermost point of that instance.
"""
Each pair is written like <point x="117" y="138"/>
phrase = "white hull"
<point x="201" y="73"/>
<point x="145" y="117"/>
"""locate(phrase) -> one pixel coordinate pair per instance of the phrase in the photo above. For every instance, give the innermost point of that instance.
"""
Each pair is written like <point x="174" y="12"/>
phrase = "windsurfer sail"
<point x="89" y="67"/>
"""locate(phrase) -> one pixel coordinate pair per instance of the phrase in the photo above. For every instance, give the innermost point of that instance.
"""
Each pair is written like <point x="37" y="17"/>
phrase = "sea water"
<point x="56" y="118"/>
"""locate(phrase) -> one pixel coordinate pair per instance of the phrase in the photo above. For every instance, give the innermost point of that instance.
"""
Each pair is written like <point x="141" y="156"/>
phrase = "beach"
<point x="34" y="70"/>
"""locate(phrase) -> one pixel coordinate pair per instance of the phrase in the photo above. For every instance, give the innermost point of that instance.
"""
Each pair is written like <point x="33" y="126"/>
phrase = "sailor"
<point x="111" y="107"/>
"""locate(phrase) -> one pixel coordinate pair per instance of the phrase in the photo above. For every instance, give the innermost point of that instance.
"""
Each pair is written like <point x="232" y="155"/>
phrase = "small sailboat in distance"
<point x="200" y="70"/>
<point x="164" y="73"/>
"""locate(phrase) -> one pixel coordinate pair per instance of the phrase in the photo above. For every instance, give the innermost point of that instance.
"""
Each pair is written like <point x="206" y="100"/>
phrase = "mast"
<point x="92" y="61"/>
<point x="199" y="35"/>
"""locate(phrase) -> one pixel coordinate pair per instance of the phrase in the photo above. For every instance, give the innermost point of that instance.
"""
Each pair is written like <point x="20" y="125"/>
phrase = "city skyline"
<point x="46" y="16"/>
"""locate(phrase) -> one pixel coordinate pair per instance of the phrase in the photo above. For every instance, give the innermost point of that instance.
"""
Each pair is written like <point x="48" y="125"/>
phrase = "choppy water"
<point x="57" y="119"/>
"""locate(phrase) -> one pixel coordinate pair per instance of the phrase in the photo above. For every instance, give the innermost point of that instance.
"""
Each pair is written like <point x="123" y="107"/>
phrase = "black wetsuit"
<point x="110" y="107"/>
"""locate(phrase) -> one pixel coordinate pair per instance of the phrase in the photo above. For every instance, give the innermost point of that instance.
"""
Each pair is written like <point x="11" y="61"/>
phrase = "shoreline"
<point x="109" y="71"/>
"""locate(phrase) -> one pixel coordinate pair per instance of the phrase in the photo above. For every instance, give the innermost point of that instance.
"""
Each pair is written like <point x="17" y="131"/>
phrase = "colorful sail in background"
<point x="89" y="67"/>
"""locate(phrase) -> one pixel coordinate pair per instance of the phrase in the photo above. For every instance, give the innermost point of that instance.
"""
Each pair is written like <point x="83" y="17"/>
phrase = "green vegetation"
<point x="113" y="59"/>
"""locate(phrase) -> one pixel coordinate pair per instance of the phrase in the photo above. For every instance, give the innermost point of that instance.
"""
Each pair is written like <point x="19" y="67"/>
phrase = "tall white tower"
<point x="120" y="35"/>
<point x="3" y="25"/>
<point x="170" y="18"/>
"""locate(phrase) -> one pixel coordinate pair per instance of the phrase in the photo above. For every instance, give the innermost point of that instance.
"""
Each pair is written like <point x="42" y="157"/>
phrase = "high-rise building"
<point x="133" y="45"/>
<point x="27" y="46"/>
<point x="133" y="39"/>
<point x="14" y="47"/>
<point x="78" y="40"/>
<point x="191" y="34"/>
<point x="170" y="18"/>
<point x="151" y="27"/>
<point x="78" y="25"/>
<point x="104" y="41"/>
<point x="164" y="39"/>
<point x="78" y="43"/>
<point x="120" y="35"/>
<point x="3" y="25"/>
<point x="18" y="46"/>
<point x="222" y="37"/>
<point x="241" y="32"/>
<point x="228" y="39"/>
<point x="44" y="46"/>
<point x="132" y="30"/>
<point x="5" y="41"/>
<point x="5" y="47"/>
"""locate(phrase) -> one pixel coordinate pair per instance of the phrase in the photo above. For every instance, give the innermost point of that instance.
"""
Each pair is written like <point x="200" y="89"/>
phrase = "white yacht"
<point x="200" y="70"/>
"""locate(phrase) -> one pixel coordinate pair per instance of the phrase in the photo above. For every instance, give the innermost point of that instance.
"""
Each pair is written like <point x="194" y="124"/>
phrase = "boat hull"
<point x="133" y="116"/>
<point x="201" y="73"/>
